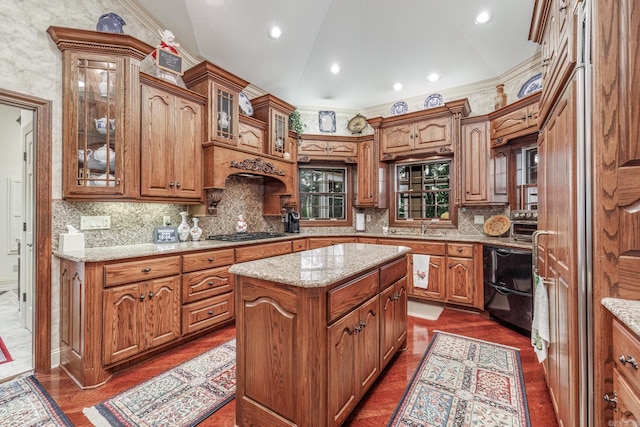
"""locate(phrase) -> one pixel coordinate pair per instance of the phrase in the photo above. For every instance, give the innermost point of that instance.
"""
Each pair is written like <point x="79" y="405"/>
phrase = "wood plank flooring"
<point x="374" y="410"/>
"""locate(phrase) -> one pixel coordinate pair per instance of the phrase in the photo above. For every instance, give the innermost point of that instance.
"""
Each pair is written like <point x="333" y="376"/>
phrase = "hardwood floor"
<point x="374" y="410"/>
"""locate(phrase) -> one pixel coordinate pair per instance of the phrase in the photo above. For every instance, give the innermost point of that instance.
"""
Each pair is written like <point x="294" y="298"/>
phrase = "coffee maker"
<point x="292" y="222"/>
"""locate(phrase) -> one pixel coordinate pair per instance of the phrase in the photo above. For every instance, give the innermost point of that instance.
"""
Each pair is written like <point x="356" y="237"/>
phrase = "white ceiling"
<point x="376" y="42"/>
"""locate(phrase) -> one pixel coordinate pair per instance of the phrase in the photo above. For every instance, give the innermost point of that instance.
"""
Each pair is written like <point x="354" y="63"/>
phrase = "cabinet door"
<point x="342" y="367"/>
<point x="433" y="135"/>
<point x="628" y="407"/>
<point x="187" y="149"/>
<point x="387" y="332"/>
<point x="396" y="139"/>
<point x="123" y="322"/>
<point x="157" y="141"/>
<point x="162" y="311"/>
<point x="435" y="289"/>
<point x="499" y="175"/>
<point x="366" y="168"/>
<point x="368" y="350"/>
<point x="400" y="319"/>
<point x="342" y="149"/>
<point x="250" y="137"/>
<point x="476" y="155"/>
<point x="224" y="114"/>
<point x="460" y="280"/>
<point x="71" y="294"/>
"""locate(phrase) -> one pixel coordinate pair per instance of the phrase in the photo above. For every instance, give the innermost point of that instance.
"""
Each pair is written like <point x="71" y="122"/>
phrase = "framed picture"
<point x="165" y="235"/>
<point x="327" y="121"/>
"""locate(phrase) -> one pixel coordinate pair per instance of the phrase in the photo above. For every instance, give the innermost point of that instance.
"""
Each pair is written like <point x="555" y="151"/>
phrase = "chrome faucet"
<point x="424" y="226"/>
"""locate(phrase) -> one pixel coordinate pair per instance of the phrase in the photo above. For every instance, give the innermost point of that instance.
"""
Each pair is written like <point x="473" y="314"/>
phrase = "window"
<point x="423" y="190"/>
<point x="323" y="193"/>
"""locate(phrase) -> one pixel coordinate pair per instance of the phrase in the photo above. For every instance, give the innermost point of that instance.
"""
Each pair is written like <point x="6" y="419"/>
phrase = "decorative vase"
<point x="102" y="86"/>
<point x="500" y="100"/>
<point x="183" y="228"/>
<point x="110" y="23"/>
<point x="195" y="231"/>
<point x="241" y="225"/>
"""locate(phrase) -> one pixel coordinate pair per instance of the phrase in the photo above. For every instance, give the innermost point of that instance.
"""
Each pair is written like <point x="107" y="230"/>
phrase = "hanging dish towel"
<point x="540" y="326"/>
<point x="421" y="271"/>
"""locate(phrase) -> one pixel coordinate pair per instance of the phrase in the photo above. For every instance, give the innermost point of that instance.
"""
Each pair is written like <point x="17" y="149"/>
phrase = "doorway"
<point x="16" y="245"/>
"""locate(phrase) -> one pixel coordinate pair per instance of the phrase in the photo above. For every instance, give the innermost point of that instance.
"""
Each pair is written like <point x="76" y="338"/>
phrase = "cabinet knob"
<point x="333" y="243"/>
<point x="150" y="294"/>
<point x="146" y="269"/>
<point x="459" y="250"/>
<point x="210" y="259"/>
<point x="141" y="297"/>
<point x="357" y="328"/>
<point x="178" y="185"/>
<point x="612" y="400"/>
<point x="561" y="8"/>
<point x="210" y="283"/>
<point x="363" y="323"/>
<point x="629" y="359"/>
<point x="523" y="118"/>
<point x="171" y="184"/>
<point x="210" y="312"/>
<point x="450" y="265"/>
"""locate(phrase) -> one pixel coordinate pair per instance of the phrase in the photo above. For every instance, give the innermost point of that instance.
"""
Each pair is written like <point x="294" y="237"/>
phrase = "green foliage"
<point x="295" y="124"/>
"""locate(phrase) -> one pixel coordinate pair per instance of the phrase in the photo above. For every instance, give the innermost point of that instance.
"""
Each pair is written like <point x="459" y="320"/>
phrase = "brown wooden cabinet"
<point x="264" y="250"/>
<point x="367" y="174"/>
<point x="275" y="113"/>
<point x="517" y="119"/>
<point x="626" y="375"/>
<point x="171" y="143"/>
<point x="432" y="135"/>
<point x="393" y="320"/>
<point x="100" y="122"/>
<point x="320" y="242"/>
<point x="251" y="134"/>
<point x="328" y="147"/>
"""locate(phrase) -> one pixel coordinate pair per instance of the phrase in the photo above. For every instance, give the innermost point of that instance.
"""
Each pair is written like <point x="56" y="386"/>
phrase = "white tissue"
<point x="72" y="229"/>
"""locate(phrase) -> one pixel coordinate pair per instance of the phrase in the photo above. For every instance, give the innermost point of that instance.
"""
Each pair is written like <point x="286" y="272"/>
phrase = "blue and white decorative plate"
<point x="399" y="108"/>
<point x="433" y="100"/>
<point x="327" y="121"/>
<point x="534" y="84"/>
<point x="245" y="104"/>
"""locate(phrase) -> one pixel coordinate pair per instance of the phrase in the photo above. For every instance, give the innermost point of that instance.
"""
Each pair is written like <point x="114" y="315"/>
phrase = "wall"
<point x="10" y="168"/>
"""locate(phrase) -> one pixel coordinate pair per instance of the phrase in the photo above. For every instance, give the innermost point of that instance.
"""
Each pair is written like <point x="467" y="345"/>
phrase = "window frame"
<point x="450" y="223"/>
<point x="348" y="195"/>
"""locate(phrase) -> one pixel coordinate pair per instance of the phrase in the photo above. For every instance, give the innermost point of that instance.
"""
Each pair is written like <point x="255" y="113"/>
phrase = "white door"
<point x="26" y="247"/>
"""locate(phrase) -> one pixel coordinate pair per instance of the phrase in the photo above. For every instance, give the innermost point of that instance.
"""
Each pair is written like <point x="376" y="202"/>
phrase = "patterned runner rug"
<point x="182" y="396"/>
<point x="23" y="402"/>
<point x="463" y="381"/>
<point x="4" y="353"/>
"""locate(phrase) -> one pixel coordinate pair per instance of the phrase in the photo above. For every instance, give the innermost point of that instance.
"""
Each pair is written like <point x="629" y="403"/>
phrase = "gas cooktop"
<point x="241" y="237"/>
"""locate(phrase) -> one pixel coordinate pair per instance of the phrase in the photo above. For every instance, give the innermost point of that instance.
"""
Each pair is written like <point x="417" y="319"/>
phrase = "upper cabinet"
<point x="223" y="91"/>
<point x="275" y="113"/>
<point x="100" y="116"/>
<point x="328" y="147"/>
<point x="431" y="131"/>
<point x="122" y="139"/>
<point x="517" y="119"/>
<point x="251" y="134"/>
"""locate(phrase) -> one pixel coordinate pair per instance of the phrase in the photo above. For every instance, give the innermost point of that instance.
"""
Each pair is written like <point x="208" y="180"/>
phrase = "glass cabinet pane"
<point x="225" y="121"/>
<point x="96" y="123"/>
<point x="279" y="134"/>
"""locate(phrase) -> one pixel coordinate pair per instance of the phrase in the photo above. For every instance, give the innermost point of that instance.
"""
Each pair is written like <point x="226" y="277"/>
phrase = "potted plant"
<point x="296" y="125"/>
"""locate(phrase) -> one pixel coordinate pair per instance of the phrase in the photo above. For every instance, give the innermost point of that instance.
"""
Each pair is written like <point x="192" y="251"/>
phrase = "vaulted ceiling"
<point x="377" y="43"/>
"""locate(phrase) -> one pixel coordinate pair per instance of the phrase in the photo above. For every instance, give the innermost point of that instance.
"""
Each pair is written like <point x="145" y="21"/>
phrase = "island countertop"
<point x="319" y="267"/>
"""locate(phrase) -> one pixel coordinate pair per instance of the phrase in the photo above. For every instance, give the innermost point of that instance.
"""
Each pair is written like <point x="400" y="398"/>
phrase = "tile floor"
<point x="17" y="339"/>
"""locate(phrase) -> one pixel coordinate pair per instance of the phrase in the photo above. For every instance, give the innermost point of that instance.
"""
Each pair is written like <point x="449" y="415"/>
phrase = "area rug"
<point x="4" y="353"/>
<point x="463" y="381"/>
<point x="182" y="396"/>
<point x="24" y="402"/>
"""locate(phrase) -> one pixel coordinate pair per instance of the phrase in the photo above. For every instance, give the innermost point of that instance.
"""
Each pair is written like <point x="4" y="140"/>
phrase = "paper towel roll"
<point x="359" y="222"/>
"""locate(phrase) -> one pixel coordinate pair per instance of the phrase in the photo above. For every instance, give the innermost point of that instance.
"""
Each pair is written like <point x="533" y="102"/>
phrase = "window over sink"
<point x="423" y="190"/>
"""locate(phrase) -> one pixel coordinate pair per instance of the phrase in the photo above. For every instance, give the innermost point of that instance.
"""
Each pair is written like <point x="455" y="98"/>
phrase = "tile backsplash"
<point x="133" y="223"/>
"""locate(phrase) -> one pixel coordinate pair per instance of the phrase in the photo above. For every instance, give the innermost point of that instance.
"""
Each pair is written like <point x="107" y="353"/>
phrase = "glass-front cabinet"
<point x="101" y="126"/>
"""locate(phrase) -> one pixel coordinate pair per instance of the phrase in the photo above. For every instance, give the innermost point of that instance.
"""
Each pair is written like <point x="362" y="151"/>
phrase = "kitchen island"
<point x="314" y="331"/>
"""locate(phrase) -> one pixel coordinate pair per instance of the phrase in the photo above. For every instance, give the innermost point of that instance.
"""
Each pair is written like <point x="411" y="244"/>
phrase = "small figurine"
<point x="168" y="42"/>
<point x="241" y="225"/>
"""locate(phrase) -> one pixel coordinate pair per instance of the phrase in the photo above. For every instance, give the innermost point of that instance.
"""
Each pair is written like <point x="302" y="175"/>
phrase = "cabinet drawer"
<point x="391" y="273"/>
<point x="135" y="271"/>
<point x="460" y="250"/>
<point x="206" y="283"/>
<point x="626" y="344"/>
<point x="203" y="314"/>
<point x="349" y="295"/>
<point x="369" y="240"/>
<point x="299" y="245"/>
<point x="321" y="242"/>
<point x="202" y="260"/>
<point x="249" y="253"/>
<point x="418" y="247"/>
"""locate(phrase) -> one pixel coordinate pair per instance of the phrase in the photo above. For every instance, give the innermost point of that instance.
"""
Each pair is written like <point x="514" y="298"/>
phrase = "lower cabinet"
<point x="626" y="376"/>
<point x="320" y="242"/>
<point x="140" y="316"/>
<point x="393" y="320"/>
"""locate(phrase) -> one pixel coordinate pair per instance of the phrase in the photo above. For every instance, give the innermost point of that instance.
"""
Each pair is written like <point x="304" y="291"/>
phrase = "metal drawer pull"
<point x="357" y="328"/>
<point x="210" y="283"/>
<point x="210" y="259"/>
<point x="146" y="270"/>
<point x="459" y="250"/>
<point x="629" y="359"/>
<point x="363" y="324"/>
<point x="613" y="400"/>
<point x="210" y="312"/>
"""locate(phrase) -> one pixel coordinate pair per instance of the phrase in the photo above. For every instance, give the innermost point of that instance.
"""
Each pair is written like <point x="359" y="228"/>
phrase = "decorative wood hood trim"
<point x="123" y="44"/>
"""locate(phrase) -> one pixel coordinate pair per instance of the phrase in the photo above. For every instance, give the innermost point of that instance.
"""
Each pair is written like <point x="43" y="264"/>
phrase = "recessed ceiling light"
<point x="274" y="32"/>
<point x="433" y="77"/>
<point x="483" y="17"/>
<point x="335" y="68"/>
<point x="397" y="86"/>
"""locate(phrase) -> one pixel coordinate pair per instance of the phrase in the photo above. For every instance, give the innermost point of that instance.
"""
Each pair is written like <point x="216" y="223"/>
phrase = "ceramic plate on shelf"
<point x="534" y="84"/>
<point x="327" y="121"/>
<point x="434" y="100"/>
<point x="245" y="104"/>
<point x="399" y="108"/>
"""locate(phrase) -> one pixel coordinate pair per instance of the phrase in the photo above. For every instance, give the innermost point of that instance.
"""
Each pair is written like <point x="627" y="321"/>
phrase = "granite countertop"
<point x="626" y="310"/>
<point x="319" y="267"/>
<point x="150" y="249"/>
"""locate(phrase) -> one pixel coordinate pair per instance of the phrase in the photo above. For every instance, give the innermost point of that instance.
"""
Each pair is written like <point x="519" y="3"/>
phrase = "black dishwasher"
<point x="508" y="286"/>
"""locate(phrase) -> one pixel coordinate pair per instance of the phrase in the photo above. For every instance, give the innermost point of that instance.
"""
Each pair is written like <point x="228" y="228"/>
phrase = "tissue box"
<point x="71" y="242"/>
